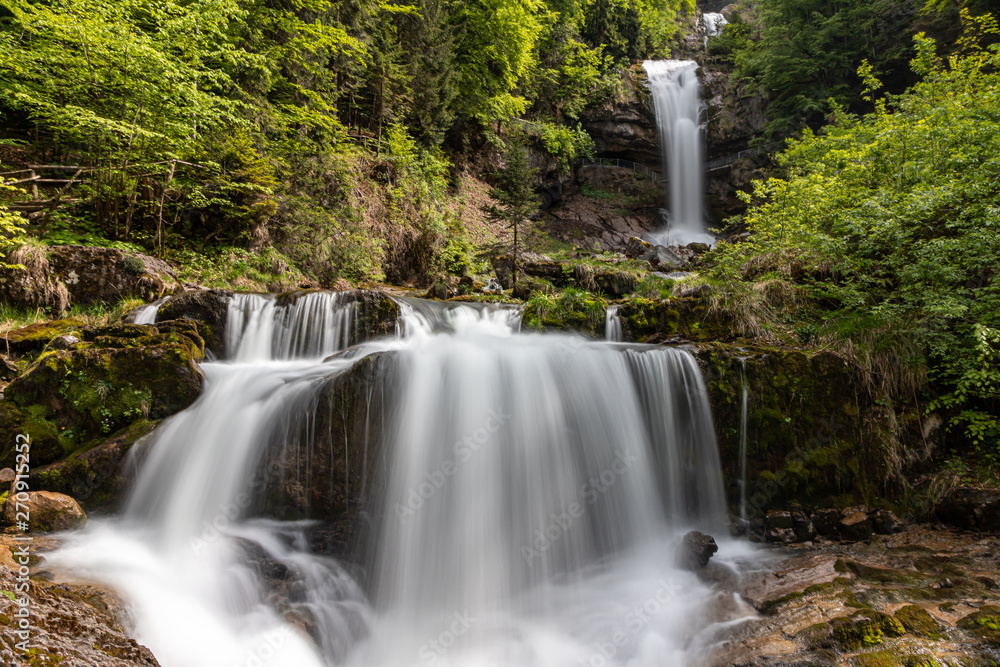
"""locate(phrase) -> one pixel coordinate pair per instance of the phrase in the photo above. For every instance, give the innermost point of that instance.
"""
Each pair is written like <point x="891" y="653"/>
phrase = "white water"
<point x="677" y="99"/>
<point x="714" y="23"/>
<point x="537" y="486"/>
<point x="612" y="325"/>
<point x="147" y="314"/>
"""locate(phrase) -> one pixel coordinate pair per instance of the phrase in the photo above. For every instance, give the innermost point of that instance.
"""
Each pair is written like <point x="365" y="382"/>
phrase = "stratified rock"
<point x="46" y="511"/>
<point x="71" y="625"/>
<point x="695" y="550"/>
<point x="974" y="509"/>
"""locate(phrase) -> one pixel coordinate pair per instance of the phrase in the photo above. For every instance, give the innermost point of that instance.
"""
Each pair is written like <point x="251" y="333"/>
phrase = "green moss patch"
<point x="865" y="629"/>
<point x="983" y="624"/>
<point x="919" y="622"/>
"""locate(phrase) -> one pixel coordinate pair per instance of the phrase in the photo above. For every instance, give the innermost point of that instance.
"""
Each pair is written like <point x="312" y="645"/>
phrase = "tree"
<point x="11" y="230"/>
<point x="514" y="199"/>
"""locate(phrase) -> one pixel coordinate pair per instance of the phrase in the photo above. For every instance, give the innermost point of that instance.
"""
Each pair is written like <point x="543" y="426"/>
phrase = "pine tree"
<point x="514" y="198"/>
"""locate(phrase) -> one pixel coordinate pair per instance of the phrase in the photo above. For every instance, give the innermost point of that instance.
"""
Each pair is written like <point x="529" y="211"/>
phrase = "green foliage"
<point x="567" y="144"/>
<point x="11" y="227"/>
<point x="891" y="223"/>
<point x="514" y="199"/>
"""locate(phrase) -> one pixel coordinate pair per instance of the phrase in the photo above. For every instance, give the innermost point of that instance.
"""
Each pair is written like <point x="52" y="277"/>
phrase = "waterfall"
<point x="676" y="98"/>
<point x="147" y="314"/>
<point x="612" y="325"/>
<point x="714" y="23"/>
<point x="534" y="490"/>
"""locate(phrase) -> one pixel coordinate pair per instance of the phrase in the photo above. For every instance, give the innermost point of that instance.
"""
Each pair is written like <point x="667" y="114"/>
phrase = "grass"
<point x="99" y="314"/>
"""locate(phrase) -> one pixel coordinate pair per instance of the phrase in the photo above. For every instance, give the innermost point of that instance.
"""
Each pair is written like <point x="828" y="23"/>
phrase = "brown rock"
<point x="46" y="511"/>
<point x="695" y="550"/>
<point x="855" y="525"/>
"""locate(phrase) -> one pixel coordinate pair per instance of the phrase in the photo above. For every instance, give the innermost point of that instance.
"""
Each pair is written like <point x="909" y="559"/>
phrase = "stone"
<point x="57" y="277"/>
<point x="826" y="520"/>
<point x="206" y="307"/>
<point x="973" y="509"/>
<point x="803" y="528"/>
<point x="884" y="522"/>
<point x="46" y="511"/>
<point x="780" y="535"/>
<point x="778" y="519"/>
<point x="695" y="550"/>
<point x="636" y="248"/>
<point x="8" y="369"/>
<point x="918" y="621"/>
<point x="855" y="525"/>
<point x="63" y="342"/>
<point x="7" y="475"/>
<point x="35" y="337"/>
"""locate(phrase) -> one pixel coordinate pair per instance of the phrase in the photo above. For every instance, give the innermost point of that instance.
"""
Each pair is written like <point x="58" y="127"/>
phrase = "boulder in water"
<point x="695" y="550"/>
<point x="46" y="511"/>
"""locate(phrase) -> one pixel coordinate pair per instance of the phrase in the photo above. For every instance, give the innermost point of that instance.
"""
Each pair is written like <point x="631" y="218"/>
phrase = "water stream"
<point x="677" y="99"/>
<point x="536" y="488"/>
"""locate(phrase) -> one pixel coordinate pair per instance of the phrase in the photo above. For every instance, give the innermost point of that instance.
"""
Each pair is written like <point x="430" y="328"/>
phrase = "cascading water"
<point x="147" y="314"/>
<point x="535" y="488"/>
<point x="676" y="98"/>
<point x="612" y="325"/>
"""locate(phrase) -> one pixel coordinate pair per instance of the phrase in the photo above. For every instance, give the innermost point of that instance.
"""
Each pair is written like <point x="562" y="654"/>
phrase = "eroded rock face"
<point x="920" y="597"/>
<point x="58" y="277"/>
<point x="626" y="128"/>
<point x="71" y="624"/>
<point x="46" y="512"/>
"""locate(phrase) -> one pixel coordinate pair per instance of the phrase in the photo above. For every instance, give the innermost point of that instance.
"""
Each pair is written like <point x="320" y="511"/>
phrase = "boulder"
<point x="206" y="307"/>
<point x="884" y="522"/>
<point x="7" y="475"/>
<point x="57" y="277"/>
<point x="8" y="369"/>
<point x="973" y="509"/>
<point x="803" y="527"/>
<point x="46" y="511"/>
<point x="826" y="520"/>
<point x="118" y="375"/>
<point x="695" y="550"/>
<point x="35" y="337"/>
<point x="855" y="525"/>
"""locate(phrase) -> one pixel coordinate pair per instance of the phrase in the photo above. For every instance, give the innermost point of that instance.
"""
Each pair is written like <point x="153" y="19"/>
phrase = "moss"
<point x="892" y="658"/>
<point x="819" y="635"/>
<point x="917" y="621"/>
<point x="865" y="629"/>
<point x="983" y="624"/>
<point x="37" y="336"/>
<point x="883" y="575"/>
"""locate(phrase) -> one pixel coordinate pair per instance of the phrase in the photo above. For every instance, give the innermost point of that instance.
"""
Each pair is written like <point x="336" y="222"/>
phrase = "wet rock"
<point x="884" y="522"/>
<point x="778" y="519"/>
<point x="71" y="624"/>
<point x="695" y="550"/>
<point x="440" y="291"/>
<point x="803" y="527"/>
<point x="865" y="629"/>
<point x="826" y="520"/>
<point x="46" y="512"/>
<point x="855" y="525"/>
<point x="973" y="509"/>
<point x="206" y="307"/>
<point x="984" y="625"/>
<point x="780" y="535"/>
<point x="918" y="621"/>
<point x="98" y="477"/>
<point x="503" y="267"/>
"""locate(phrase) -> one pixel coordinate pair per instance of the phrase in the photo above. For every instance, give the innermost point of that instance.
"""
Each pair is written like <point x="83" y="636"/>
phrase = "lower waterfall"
<point x="535" y="491"/>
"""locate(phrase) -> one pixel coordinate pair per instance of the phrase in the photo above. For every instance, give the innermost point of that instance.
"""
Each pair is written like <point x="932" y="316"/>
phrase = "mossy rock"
<point x="893" y="658"/>
<point x="36" y="336"/>
<point x="983" y="624"/>
<point x="208" y="308"/>
<point x="819" y="635"/>
<point x="865" y="629"/>
<point x="98" y="476"/>
<point x="46" y="444"/>
<point x="99" y="387"/>
<point x="919" y="622"/>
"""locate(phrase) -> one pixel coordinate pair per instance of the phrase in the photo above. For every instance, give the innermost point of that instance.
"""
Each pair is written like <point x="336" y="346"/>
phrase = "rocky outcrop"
<point x="207" y="308"/>
<point x="69" y="400"/>
<point x="626" y="127"/>
<point x="70" y="624"/>
<point x="46" y="511"/>
<point x="57" y="277"/>
<point x="974" y="509"/>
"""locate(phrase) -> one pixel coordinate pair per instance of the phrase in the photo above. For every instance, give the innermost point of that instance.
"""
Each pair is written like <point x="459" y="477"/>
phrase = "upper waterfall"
<point x="677" y="99"/>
